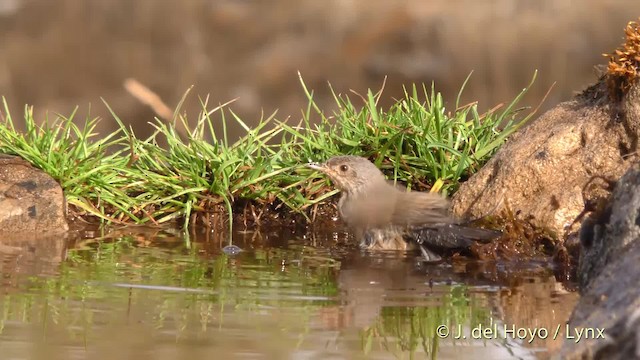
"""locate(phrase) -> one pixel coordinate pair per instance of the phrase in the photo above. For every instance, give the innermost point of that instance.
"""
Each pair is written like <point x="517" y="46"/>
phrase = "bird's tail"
<point x="451" y="236"/>
<point x="472" y="233"/>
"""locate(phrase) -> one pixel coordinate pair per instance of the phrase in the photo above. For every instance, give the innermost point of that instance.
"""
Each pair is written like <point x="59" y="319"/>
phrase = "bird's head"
<point x="351" y="174"/>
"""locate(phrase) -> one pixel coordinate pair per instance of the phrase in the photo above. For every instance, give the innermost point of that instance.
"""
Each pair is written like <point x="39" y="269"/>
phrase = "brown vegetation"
<point x="624" y="63"/>
<point x="56" y="55"/>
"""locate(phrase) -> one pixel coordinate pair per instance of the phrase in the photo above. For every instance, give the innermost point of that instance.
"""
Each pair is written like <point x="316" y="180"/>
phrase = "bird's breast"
<point x="367" y="209"/>
<point x="384" y="239"/>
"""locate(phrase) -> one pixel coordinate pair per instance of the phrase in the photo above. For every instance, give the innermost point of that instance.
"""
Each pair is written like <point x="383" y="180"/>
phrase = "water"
<point x="144" y="294"/>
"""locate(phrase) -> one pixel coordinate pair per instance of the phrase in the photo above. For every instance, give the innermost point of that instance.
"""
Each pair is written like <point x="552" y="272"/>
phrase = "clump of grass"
<point x="198" y="173"/>
<point x="416" y="140"/>
<point x="124" y="179"/>
<point x="93" y="179"/>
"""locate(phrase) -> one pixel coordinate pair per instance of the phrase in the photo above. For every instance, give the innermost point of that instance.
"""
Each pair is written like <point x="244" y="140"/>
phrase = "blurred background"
<point x="56" y="54"/>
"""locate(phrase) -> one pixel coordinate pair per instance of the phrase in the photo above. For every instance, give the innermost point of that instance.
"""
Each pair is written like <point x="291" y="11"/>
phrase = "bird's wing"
<point x="419" y="208"/>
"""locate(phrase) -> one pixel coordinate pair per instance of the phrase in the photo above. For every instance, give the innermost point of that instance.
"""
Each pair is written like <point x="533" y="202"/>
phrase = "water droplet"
<point x="231" y="250"/>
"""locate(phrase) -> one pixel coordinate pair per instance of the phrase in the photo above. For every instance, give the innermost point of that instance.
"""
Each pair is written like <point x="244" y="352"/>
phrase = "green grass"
<point x="121" y="178"/>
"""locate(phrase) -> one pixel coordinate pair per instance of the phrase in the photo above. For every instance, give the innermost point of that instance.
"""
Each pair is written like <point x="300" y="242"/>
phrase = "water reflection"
<point x="136" y="294"/>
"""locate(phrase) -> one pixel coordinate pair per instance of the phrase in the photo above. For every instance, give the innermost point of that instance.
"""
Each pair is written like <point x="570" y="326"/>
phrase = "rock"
<point x="611" y="303"/>
<point x="31" y="202"/>
<point x="605" y="235"/>
<point x="557" y="168"/>
<point x="609" y="277"/>
<point x="550" y="169"/>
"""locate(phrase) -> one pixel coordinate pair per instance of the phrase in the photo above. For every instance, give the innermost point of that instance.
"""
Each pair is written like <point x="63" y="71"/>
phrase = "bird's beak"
<point x="317" y="166"/>
<point x="328" y="171"/>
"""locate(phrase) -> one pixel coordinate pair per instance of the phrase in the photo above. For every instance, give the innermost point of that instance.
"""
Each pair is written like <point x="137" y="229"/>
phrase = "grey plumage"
<point x="385" y="217"/>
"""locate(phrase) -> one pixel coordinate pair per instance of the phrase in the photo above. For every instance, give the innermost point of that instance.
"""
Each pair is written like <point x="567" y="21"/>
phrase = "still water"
<point x="141" y="294"/>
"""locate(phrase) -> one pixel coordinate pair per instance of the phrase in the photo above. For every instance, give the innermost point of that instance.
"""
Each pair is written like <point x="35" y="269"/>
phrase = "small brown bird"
<point x="383" y="216"/>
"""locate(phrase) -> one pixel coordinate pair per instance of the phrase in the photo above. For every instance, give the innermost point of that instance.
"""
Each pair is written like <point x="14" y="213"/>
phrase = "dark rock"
<point x="606" y="234"/>
<point x="31" y="202"/>
<point x="609" y="277"/>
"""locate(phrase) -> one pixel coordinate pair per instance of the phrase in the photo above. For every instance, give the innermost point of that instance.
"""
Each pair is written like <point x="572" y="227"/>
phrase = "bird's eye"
<point x="344" y="168"/>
